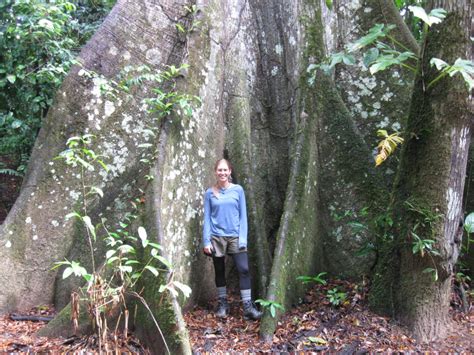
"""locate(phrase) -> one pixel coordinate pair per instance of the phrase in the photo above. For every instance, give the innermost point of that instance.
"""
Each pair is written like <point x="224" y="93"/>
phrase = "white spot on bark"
<point x="113" y="50"/>
<point x="153" y="55"/>
<point x="35" y="237"/>
<point x="396" y="126"/>
<point x="54" y="223"/>
<point x="8" y="244"/>
<point x="109" y="108"/>
<point x="279" y="49"/>
<point x="28" y="220"/>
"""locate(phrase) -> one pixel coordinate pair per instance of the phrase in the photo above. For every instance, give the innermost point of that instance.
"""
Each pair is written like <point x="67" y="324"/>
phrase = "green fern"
<point x="10" y="172"/>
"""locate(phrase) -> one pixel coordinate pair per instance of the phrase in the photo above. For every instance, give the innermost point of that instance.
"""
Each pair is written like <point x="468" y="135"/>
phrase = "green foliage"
<point x="316" y="279"/>
<point x="463" y="67"/>
<point x="378" y="56"/>
<point x="88" y="16"/>
<point x="435" y="16"/>
<point x="167" y="99"/>
<point x="107" y="288"/>
<point x="329" y="4"/>
<point x="35" y="53"/>
<point x="10" y="172"/>
<point x="425" y="220"/>
<point x="469" y="223"/>
<point x="469" y="228"/>
<point x="130" y="253"/>
<point x="423" y="246"/>
<point x="336" y="297"/>
<point x="375" y="34"/>
<point x="191" y="10"/>
<point x="384" y="51"/>
<point x="272" y="306"/>
<point x="38" y="42"/>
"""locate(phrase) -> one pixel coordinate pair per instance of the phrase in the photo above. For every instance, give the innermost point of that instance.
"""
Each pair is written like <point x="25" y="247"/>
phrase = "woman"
<point x="225" y="232"/>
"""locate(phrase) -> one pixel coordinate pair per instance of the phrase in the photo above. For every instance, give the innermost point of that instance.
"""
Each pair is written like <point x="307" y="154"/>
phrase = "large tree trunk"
<point x="302" y="153"/>
<point x="428" y="192"/>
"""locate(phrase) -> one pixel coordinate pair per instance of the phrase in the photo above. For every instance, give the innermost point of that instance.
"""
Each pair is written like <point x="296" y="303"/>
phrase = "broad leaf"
<point x="11" y="78"/>
<point x="185" y="289"/>
<point x="143" y="236"/>
<point x="435" y="16"/>
<point x="370" y="56"/>
<point x="469" y="223"/>
<point x="440" y="64"/>
<point x="152" y="269"/>
<point x="376" y="32"/>
<point x="67" y="272"/>
<point x="87" y="221"/>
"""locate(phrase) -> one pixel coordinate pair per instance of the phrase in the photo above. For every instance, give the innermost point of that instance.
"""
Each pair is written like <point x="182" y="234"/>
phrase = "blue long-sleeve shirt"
<point x="226" y="215"/>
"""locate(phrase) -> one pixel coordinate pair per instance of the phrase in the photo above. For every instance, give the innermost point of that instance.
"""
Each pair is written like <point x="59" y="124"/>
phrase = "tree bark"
<point x="428" y="192"/>
<point x="302" y="153"/>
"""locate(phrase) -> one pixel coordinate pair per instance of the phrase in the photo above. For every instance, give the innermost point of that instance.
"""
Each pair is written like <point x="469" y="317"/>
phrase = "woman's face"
<point x="223" y="172"/>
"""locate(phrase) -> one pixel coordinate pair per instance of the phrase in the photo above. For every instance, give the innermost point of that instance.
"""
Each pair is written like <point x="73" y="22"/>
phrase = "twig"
<point x="142" y="300"/>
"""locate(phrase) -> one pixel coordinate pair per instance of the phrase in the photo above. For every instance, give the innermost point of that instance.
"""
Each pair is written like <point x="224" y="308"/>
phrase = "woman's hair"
<point x="218" y="161"/>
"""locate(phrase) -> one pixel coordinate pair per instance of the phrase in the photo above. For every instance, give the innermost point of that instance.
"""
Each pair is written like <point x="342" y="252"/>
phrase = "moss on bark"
<point x="428" y="193"/>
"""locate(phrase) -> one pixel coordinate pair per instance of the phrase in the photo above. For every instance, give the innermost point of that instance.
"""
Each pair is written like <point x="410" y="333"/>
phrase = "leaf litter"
<point x="316" y="325"/>
<point x="21" y="337"/>
<point x="313" y="325"/>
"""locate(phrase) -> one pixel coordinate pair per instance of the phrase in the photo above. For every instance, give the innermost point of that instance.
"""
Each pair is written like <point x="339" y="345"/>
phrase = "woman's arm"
<point x="243" y="228"/>
<point x="206" y="232"/>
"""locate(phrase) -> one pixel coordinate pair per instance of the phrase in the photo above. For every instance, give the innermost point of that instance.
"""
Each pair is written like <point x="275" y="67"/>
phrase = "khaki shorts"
<point x="225" y="245"/>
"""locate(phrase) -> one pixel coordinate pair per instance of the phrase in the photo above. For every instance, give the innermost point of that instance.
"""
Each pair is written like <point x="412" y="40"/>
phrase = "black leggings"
<point x="241" y="261"/>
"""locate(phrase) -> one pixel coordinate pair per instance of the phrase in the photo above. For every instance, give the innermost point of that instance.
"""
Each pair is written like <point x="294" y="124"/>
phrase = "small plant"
<point x="469" y="228"/>
<point x="108" y="287"/>
<point x="387" y="145"/>
<point x="316" y="279"/>
<point x="336" y="297"/>
<point x="272" y="306"/>
<point x="425" y="220"/>
<point x="192" y="11"/>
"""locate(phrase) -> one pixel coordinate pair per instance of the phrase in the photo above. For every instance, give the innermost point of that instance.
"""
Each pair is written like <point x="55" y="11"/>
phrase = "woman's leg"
<point x="219" y="269"/>
<point x="241" y="262"/>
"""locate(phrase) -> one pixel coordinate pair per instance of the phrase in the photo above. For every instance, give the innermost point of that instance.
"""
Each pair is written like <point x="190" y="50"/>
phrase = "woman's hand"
<point x="207" y="250"/>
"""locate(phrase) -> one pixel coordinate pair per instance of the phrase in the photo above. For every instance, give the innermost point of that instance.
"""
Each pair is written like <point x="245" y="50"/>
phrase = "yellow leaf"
<point x="317" y="340"/>
<point x="387" y="145"/>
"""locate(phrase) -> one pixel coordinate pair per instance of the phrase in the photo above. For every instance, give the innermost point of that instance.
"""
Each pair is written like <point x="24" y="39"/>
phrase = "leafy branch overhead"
<point x="385" y="51"/>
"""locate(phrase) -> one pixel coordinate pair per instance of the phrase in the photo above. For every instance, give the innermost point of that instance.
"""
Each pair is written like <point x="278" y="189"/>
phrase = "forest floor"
<point x="314" y="325"/>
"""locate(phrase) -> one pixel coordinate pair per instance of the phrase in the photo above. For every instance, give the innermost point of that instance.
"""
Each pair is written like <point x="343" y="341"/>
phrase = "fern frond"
<point x="387" y="145"/>
<point x="11" y="172"/>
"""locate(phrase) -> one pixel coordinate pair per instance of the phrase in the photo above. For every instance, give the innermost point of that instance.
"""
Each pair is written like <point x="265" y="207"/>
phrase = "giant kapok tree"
<point x="301" y="144"/>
